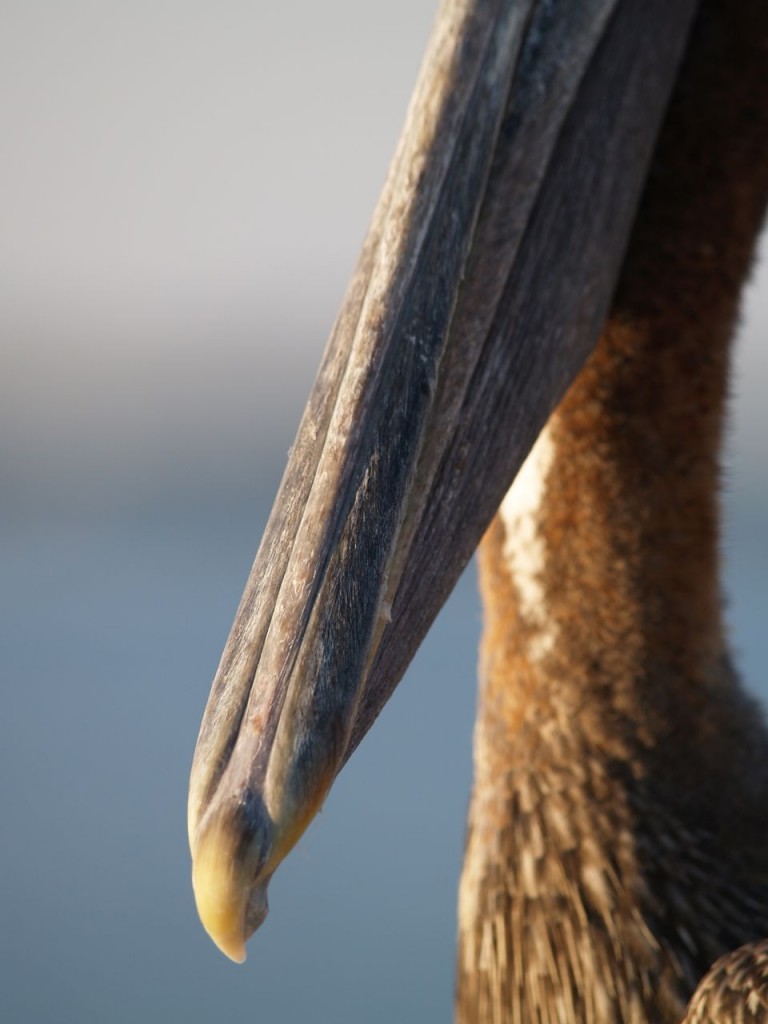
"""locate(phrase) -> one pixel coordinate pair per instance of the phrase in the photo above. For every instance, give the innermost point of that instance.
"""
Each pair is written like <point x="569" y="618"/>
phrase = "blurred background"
<point x="183" y="191"/>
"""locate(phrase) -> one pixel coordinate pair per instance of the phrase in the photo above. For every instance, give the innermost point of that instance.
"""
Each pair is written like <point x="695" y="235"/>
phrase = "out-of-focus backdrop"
<point x="183" y="191"/>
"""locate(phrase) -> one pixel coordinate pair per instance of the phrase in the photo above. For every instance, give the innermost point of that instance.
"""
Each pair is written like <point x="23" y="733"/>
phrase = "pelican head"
<point x="482" y="286"/>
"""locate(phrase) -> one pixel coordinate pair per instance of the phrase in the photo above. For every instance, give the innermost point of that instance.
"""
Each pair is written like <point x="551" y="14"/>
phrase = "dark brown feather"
<point x="735" y="989"/>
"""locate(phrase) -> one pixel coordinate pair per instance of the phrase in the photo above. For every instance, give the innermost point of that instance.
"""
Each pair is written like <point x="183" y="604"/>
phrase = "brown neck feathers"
<point x="617" y="840"/>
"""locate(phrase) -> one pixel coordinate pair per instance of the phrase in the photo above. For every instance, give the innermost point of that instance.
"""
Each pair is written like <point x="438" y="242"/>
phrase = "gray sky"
<point x="183" y="191"/>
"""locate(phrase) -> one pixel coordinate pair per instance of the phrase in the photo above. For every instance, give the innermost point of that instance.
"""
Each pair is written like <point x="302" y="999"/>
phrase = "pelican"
<point x="547" y="293"/>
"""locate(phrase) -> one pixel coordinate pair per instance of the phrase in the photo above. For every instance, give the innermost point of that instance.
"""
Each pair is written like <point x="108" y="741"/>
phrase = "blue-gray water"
<point x="111" y="625"/>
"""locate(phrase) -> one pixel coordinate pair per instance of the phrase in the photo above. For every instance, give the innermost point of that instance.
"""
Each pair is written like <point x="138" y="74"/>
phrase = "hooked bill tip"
<point x="239" y="843"/>
<point x="230" y="902"/>
<point x="220" y="905"/>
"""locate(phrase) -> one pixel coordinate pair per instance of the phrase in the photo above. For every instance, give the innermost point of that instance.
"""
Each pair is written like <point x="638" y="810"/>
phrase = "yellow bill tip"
<point x="231" y="904"/>
<point x="221" y="908"/>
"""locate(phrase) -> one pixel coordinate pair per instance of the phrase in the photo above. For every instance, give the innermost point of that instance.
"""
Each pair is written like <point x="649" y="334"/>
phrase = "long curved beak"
<point x="482" y="287"/>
